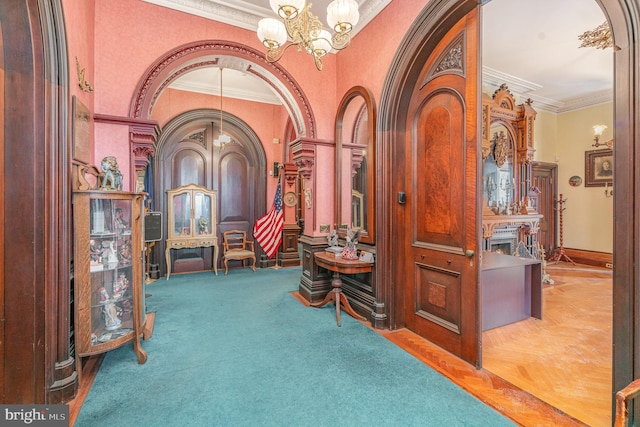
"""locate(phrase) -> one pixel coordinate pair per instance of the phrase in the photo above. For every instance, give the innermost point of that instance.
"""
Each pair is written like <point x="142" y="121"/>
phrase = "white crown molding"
<point x="495" y="78"/>
<point x="246" y="15"/>
<point x="522" y="90"/>
<point x="229" y="92"/>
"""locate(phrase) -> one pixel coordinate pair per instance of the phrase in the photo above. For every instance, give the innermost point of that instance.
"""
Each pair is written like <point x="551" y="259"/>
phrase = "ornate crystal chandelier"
<point x="304" y="29"/>
<point x="599" y="37"/>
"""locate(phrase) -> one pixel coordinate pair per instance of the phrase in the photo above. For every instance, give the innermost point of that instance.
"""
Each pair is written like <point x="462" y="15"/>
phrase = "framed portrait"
<point x="598" y="168"/>
<point x="81" y="131"/>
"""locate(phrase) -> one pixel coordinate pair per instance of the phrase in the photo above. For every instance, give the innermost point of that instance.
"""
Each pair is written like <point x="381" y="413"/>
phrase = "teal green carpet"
<point x="239" y="350"/>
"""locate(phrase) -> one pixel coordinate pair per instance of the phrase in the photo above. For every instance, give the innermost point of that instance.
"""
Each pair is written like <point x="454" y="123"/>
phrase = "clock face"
<point x="290" y="199"/>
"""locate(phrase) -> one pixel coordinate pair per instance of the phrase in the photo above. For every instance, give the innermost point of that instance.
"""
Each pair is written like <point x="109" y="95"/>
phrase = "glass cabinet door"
<point x="202" y="205"/>
<point x="110" y="264"/>
<point x="182" y="214"/>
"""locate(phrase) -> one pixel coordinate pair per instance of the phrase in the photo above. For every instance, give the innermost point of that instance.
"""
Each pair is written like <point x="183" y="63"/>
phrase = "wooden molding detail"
<point x="304" y="156"/>
<point x="143" y="136"/>
<point x="597" y="259"/>
<point x="176" y="62"/>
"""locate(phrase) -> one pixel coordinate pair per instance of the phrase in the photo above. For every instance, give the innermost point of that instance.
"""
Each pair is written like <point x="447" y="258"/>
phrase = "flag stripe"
<point x="267" y="230"/>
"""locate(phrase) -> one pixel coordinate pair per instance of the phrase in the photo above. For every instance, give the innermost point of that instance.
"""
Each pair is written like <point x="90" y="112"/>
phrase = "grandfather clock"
<point x="290" y="256"/>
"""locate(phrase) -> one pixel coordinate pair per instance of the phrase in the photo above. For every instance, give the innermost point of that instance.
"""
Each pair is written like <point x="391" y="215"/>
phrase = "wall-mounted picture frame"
<point x="598" y="168"/>
<point x="81" y="130"/>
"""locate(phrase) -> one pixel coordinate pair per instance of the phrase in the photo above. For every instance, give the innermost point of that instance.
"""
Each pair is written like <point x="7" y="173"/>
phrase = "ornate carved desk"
<point x="340" y="266"/>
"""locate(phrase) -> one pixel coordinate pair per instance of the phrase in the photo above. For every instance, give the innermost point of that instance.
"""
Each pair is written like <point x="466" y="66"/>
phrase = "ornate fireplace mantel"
<point x="491" y="222"/>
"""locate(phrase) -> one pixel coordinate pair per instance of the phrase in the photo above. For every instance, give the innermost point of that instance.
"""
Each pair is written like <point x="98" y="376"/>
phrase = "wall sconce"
<point x="597" y="133"/>
<point x="276" y="169"/>
<point x="608" y="192"/>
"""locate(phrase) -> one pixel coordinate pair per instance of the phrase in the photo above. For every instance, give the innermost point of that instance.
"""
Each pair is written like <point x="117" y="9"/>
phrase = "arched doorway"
<point x="186" y="154"/>
<point x="398" y="86"/>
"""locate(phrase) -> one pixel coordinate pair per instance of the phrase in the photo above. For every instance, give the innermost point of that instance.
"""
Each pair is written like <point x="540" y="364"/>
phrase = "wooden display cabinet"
<point x="191" y="221"/>
<point x="108" y="258"/>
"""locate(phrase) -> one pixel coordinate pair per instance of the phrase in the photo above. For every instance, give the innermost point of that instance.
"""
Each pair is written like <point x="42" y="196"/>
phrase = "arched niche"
<point x="355" y="189"/>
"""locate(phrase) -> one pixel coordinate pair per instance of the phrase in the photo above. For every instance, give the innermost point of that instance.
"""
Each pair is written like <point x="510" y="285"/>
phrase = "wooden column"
<point x="289" y="255"/>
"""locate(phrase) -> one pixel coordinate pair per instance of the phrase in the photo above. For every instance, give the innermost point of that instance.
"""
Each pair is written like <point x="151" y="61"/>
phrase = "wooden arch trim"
<point x="422" y="37"/>
<point x="184" y="58"/>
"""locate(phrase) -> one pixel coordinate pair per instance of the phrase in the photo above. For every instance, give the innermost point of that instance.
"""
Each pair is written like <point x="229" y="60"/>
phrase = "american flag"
<point x="267" y="230"/>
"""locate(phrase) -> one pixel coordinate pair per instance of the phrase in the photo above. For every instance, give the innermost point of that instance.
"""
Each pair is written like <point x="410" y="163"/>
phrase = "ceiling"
<point x="532" y="46"/>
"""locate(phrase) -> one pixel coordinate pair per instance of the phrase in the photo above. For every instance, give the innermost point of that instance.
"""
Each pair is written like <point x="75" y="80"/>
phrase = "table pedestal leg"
<point x="338" y="297"/>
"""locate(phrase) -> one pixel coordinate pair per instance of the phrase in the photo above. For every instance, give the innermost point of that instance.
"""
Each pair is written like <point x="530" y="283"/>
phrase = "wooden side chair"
<point x="622" y="400"/>
<point x="236" y="247"/>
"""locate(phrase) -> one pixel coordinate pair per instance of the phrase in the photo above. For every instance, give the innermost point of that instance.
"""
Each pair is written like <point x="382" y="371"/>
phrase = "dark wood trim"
<point x="623" y="19"/>
<point x="598" y="259"/>
<point x="125" y="121"/>
<point x="369" y="236"/>
<point x="37" y="366"/>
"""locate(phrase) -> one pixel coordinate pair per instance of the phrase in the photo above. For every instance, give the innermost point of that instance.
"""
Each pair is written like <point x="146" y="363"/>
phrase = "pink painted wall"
<point x="128" y="36"/>
<point x="131" y="35"/>
<point x="79" y="18"/>
<point x="366" y="61"/>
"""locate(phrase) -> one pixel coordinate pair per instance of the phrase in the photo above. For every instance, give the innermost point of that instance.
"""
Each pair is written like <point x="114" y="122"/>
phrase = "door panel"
<point x="236" y="190"/>
<point x="439" y="238"/>
<point x="544" y="178"/>
<point x="439" y="143"/>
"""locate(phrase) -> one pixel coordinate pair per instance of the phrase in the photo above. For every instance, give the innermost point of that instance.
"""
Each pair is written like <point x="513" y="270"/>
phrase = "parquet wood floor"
<point x="565" y="359"/>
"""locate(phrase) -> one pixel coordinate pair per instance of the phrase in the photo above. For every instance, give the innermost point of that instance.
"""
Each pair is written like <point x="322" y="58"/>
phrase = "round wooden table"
<point x="340" y="266"/>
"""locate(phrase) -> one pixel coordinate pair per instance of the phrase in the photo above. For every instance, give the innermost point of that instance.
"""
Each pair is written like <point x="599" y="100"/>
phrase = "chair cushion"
<point x="239" y="254"/>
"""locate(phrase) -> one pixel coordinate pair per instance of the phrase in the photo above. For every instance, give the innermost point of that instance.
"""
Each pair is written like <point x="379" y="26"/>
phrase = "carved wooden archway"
<point x="201" y="54"/>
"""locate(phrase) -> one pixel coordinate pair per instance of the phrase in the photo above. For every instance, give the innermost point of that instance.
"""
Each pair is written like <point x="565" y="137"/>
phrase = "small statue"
<point x="111" y="320"/>
<point x="111" y="176"/>
<point x="121" y="285"/>
<point x="125" y="251"/>
<point x="112" y="258"/>
<point x="95" y="254"/>
<point x="333" y="238"/>
<point x="121" y="224"/>
<point x="104" y="296"/>
<point x="202" y="225"/>
<point x="350" y="251"/>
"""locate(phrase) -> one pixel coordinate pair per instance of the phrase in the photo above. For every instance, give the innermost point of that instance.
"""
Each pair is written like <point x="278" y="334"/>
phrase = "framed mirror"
<point x="355" y="140"/>
<point x="498" y="178"/>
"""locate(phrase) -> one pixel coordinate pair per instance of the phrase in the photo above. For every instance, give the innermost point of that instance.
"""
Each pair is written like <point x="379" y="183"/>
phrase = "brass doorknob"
<point x="469" y="253"/>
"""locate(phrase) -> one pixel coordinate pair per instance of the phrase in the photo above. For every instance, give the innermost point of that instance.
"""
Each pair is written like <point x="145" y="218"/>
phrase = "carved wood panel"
<point x="437" y="223"/>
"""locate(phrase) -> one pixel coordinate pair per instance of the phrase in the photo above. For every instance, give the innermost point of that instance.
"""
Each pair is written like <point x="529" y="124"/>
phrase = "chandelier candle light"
<point x="223" y="138"/>
<point x="304" y="29"/>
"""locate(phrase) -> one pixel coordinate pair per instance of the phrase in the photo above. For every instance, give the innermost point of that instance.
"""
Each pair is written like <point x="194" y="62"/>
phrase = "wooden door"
<point x="233" y="172"/>
<point x="438" y="225"/>
<point x="544" y="177"/>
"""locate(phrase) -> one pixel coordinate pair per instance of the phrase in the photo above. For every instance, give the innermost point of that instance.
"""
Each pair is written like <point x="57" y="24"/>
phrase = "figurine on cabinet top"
<point x="111" y="176"/>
